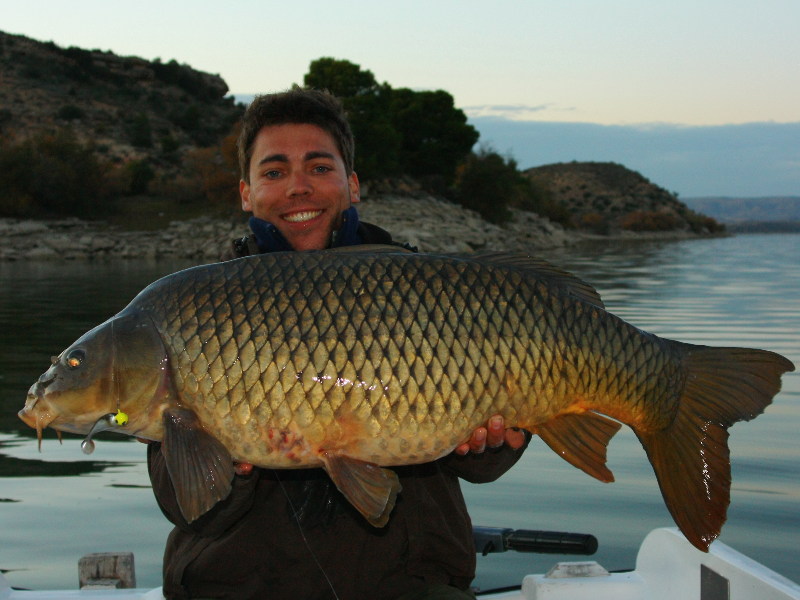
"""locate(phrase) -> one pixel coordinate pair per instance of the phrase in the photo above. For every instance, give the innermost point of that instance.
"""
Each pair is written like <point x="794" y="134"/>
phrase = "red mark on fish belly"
<point x="284" y="441"/>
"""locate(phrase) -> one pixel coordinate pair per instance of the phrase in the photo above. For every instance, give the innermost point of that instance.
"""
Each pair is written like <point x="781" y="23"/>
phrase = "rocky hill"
<point x="175" y="123"/>
<point x="607" y="197"/>
<point x="128" y="107"/>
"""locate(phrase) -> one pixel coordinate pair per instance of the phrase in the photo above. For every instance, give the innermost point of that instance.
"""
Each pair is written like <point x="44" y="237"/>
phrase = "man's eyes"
<point x="277" y="173"/>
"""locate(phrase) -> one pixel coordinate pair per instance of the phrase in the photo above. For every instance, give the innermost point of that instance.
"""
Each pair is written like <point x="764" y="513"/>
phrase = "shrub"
<point x="485" y="182"/>
<point x="216" y="173"/>
<point x="491" y="185"/>
<point x="52" y="174"/>
<point x="141" y="174"/>
<point x="647" y="220"/>
<point x="594" y="222"/>
<point x="139" y="131"/>
<point x="70" y="112"/>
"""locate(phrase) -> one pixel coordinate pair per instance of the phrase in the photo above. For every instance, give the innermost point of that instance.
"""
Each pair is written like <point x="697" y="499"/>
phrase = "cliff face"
<point x="128" y="107"/>
<point x="605" y="197"/>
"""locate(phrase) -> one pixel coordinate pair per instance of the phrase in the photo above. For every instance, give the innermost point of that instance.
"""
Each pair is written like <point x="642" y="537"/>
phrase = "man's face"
<point x="299" y="184"/>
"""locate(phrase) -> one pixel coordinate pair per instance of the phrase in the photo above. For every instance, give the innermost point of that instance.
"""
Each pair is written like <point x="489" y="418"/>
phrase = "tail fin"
<point x="691" y="457"/>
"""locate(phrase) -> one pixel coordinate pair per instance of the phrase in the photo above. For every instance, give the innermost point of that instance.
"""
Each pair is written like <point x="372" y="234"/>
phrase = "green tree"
<point x="435" y="134"/>
<point x="341" y="78"/>
<point x="487" y="183"/>
<point x="396" y="131"/>
<point x="491" y="184"/>
<point x="367" y="104"/>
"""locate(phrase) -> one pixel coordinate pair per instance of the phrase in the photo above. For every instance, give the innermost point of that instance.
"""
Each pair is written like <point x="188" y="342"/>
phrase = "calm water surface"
<point x="56" y="506"/>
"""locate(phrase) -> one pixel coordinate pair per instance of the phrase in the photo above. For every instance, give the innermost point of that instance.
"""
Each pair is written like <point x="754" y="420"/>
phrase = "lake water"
<point x="57" y="505"/>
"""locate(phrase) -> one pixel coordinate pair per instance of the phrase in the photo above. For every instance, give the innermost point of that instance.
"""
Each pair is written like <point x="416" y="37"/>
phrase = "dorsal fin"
<point x="539" y="268"/>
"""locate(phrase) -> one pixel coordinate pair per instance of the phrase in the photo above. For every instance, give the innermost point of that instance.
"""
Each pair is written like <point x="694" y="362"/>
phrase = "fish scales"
<point x="357" y="359"/>
<point x="412" y="346"/>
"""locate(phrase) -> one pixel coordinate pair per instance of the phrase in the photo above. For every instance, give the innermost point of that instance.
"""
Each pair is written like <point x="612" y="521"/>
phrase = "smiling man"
<point x="298" y="181"/>
<point x="290" y="533"/>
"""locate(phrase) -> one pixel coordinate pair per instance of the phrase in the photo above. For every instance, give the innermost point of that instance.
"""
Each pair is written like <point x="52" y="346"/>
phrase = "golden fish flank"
<point x="363" y="358"/>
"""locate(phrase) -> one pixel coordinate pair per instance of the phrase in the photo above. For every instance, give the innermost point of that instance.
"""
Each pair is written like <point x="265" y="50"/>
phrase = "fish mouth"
<point x="36" y="414"/>
<point x="302" y="216"/>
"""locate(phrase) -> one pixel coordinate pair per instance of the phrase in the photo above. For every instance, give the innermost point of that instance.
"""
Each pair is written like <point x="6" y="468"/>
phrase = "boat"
<point x="667" y="568"/>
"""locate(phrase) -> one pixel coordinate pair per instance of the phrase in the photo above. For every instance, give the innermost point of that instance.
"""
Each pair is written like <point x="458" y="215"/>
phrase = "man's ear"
<point x="355" y="188"/>
<point x="244" y="193"/>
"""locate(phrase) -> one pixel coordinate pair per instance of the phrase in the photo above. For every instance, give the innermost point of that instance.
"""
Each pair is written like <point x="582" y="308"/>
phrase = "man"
<point x="291" y="534"/>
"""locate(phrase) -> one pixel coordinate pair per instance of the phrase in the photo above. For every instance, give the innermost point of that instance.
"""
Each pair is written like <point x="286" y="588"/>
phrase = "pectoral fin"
<point x="581" y="440"/>
<point x="371" y="489"/>
<point x="200" y="467"/>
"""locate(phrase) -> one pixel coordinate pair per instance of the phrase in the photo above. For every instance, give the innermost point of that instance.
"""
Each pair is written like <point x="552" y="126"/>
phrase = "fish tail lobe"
<point x="690" y="457"/>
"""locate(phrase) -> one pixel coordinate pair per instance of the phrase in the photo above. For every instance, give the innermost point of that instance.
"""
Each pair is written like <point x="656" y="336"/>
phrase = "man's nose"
<point x="299" y="184"/>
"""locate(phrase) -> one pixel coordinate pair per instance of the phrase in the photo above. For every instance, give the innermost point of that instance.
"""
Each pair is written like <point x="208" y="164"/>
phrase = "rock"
<point x="431" y="224"/>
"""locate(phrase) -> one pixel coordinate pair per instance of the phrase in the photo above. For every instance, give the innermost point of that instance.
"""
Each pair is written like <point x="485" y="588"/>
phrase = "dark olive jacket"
<point x="291" y="534"/>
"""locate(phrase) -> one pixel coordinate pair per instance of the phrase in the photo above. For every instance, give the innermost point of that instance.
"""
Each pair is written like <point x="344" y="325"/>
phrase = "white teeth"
<point x="299" y="217"/>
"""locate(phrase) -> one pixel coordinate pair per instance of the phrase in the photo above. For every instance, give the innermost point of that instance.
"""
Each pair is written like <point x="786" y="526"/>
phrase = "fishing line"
<point x="303" y="535"/>
<point x="114" y="383"/>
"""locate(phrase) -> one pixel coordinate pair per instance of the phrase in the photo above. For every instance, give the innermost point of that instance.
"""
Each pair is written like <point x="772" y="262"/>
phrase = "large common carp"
<point x="359" y="359"/>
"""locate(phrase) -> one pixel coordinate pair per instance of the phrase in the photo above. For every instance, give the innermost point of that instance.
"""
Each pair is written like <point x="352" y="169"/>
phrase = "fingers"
<point x="493" y="435"/>
<point x="515" y="438"/>
<point x="476" y="442"/>
<point x="496" y="435"/>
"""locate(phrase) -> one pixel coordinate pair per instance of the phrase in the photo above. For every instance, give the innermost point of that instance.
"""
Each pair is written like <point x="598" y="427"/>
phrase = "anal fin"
<point x="371" y="489"/>
<point x="581" y="439"/>
<point x="200" y="467"/>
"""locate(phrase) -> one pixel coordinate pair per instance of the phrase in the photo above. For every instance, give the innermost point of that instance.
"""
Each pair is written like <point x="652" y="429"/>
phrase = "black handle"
<point x="498" y="539"/>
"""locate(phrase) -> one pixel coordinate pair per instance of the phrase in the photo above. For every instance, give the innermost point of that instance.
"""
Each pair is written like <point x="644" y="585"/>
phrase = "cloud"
<point x="513" y="112"/>
<point x="751" y="159"/>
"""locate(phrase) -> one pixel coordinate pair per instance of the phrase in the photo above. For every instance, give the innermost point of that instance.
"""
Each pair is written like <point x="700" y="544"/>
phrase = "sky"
<point x="700" y="96"/>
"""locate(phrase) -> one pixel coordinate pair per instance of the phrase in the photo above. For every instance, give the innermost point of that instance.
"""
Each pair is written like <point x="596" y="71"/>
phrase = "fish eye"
<point x="74" y="359"/>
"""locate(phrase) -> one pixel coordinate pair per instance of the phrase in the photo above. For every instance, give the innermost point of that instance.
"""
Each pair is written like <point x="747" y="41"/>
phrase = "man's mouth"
<point x="302" y="216"/>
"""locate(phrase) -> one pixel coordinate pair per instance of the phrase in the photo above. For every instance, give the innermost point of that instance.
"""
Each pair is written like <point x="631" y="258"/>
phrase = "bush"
<point x="491" y="185"/>
<point x="70" y="112"/>
<point x="141" y="174"/>
<point x="487" y="183"/>
<point x="52" y="174"/>
<point x="139" y="131"/>
<point x="648" y="220"/>
<point x="595" y="222"/>
<point x="214" y="174"/>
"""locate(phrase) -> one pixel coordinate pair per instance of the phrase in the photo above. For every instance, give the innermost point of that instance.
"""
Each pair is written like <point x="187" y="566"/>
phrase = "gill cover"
<point x="139" y="364"/>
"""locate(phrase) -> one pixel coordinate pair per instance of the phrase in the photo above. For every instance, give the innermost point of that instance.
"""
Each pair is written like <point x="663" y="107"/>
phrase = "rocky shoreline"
<point x="431" y="224"/>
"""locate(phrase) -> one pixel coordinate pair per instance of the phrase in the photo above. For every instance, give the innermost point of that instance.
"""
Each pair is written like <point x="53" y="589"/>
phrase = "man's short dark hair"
<point x="301" y="106"/>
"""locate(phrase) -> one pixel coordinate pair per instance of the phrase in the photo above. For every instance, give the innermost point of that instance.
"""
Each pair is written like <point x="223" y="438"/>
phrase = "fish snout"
<point x="34" y="413"/>
<point x="28" y="412"/>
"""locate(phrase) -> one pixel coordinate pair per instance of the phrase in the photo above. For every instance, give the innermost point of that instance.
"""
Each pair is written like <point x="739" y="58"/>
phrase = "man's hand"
<point x="493" y="435"/>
